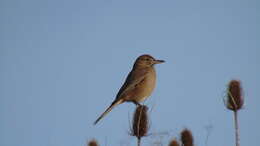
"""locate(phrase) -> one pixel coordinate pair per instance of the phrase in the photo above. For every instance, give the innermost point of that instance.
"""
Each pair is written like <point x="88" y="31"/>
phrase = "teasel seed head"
<point x="235" y="99"/>
<point x="174" y="142"/>
<point x="140" y="122"/>
<point x="187" y="138"/>
<point x="93" y="142"/>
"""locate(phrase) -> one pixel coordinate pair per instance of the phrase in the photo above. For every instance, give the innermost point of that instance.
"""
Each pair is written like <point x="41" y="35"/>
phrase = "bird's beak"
<point x="158" y="61"/>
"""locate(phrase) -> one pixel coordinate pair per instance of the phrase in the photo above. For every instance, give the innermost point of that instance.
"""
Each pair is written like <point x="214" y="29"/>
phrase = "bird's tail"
<point x="116" y="102"/>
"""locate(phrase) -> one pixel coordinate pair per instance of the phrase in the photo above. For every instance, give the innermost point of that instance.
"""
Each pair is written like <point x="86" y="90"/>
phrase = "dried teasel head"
<point x="140" y="122"/>
<point x="93" y="142"/>
<point x="187" y="138"/>
<point x="174" y="142"/>
<point x="235" y="98"/>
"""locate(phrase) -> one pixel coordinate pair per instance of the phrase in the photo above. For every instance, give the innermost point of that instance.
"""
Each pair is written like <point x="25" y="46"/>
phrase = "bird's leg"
<point x="136" y="103"/>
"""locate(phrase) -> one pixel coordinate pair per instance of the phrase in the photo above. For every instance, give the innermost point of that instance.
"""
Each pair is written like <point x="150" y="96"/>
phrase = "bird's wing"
<point x="133" y="79"/>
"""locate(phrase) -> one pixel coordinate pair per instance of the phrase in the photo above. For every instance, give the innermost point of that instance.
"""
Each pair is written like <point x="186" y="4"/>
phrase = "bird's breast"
<point x="146" y="87"/>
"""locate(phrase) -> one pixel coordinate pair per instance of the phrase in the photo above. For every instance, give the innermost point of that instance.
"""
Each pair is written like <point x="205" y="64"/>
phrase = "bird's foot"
<point x="137" y="103"/>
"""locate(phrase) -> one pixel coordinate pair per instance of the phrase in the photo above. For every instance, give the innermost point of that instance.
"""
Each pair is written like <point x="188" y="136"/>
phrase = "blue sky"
<point x="62" y="63"/>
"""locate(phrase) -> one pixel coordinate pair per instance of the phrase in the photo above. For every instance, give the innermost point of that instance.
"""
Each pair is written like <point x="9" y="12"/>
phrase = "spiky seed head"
<point x="174" y="142"/>
<point x="140" y="122"/>
<point x="186" y="137"/>
<point x="93" y="142"/>
<point x="235" y="99"/>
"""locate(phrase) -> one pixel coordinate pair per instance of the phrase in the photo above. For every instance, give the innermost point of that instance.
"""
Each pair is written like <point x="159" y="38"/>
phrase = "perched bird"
<point x="138" y="85"/>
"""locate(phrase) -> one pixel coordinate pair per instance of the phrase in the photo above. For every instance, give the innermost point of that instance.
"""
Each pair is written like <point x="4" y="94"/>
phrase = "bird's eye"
<point x="147" y="59"/>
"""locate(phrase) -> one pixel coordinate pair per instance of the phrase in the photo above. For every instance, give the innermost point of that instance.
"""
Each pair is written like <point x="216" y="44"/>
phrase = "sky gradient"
<point x="63" y="62"/>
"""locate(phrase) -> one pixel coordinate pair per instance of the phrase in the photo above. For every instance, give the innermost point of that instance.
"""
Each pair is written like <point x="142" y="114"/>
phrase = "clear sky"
<point x="62" y="63"/>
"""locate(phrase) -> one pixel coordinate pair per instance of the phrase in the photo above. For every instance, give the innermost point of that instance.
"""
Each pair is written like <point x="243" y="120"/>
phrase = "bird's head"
<point x="146" y="61"/>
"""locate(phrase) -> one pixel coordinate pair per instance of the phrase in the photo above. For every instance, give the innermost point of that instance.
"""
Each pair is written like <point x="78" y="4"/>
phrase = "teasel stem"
<point x="187" y="138"/>
<point x="140" y="123"/>
<point x="234" y="102"/>
<point x="93" y="142"/>
<point x="236" y="128"/>
<point x="139" y="141"/>
<point x="174" y="142"/>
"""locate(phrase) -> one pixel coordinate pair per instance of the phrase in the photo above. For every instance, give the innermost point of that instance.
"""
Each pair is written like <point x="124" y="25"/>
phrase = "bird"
<point x="138" y="85"/>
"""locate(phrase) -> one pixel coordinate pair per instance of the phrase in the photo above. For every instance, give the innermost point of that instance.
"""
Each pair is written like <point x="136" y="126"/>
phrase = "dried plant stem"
<point x="138" y="126"/>
<point x="174" y="142"/>
<point x="139" y="141"/>
<point x="187" y="138"/>
<point x="140" y="123"/>
<point x="236" y="128"/>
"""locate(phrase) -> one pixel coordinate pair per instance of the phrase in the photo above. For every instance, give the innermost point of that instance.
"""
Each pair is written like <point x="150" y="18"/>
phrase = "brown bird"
<point x="138" y="85"/>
